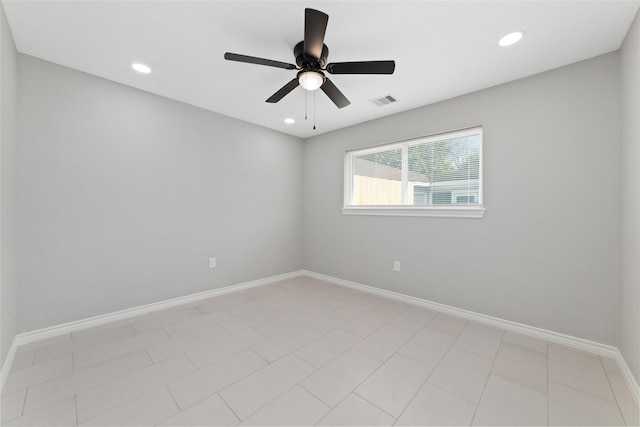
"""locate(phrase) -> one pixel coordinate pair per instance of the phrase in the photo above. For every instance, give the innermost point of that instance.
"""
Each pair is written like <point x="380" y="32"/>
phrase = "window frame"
<point x="448" y="211"/>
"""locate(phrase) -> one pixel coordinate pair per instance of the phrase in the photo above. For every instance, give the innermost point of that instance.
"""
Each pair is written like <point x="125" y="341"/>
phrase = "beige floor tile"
<point x="340" y="377"/>
<point x="331" y="321"/>
<point x="351" y="295"/>
<point x="394" y="384"/>
<point x="212" y="411"/>
<point x="110" y="325"/>
<point x="393" y="308"/>
<point x="277" y="325"/>
<point x="624" y="398"/>
<point x="224" y="302"/>
<point x="162" y="318"/>
<point x="579" y="370"/>
<point x="447" y="324"/>
<point x="611" y="366"/>
<point x="11" y="405"/>
<point x="196" y="324"/>
<point x="463" y="374"/>
<point x="297" y="407"/>
<point x="146" y="410"/>
<point x="505" y="403"/>
<point x="294" y="303"/>
<point x="116" y="392"/>
<point x="428" y="346"/>
<point x="433" y="406"/>
<point x="213" y="378"/>
<point x="560" y="351"/>
<point x="22" y="359"/>
<point x="169" y="348"/>
<point x="44" y="394"/>
<point x="480" y="340"/>
<point x="364" y="304"/>
<point x="265" y="291"/>
<point x="193" y="304"/>
<point x="326" y="348"/>
<point x="384" y="342"/>
<point x="62" y="413"/>
<point x="74" y="345"/>
<point x="45" y="342"/>
<point x="338" y="355"/>
<point x="355" y="411"/>
<point x="413" y="319"/>
<point x="368" y="323"/>
<point x="117" y="348"/>
<point x="570" y="407"/>
<point x="257" y="390"/>
<point x="322" y="307"/>
<point x="249" y="320"/>
<point x="525" y="341"/>
<point x="37" y="374"/>
<point x="255" y="305"/>
<point x="225" y="347"/>
<point x="285" y="343"/>
<point x="522" y="365"/>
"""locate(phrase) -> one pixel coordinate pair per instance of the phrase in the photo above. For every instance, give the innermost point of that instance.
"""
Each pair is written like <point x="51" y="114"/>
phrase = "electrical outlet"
<point x="396" y="265"/>
<point x="212" y="263"/>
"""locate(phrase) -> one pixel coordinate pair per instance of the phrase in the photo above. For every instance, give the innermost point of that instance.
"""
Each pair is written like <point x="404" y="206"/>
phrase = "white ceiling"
<point x="442" y="49"/>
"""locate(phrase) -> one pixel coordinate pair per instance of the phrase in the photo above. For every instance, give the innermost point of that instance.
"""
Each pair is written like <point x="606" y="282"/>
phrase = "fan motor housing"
<point x="307" y="62"/>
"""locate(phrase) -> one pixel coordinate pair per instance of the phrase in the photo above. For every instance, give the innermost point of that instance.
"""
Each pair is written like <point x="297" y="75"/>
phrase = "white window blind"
<point x="439" y="175"/>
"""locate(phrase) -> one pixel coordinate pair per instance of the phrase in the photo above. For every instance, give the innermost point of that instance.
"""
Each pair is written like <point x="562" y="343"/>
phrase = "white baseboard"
<point x="555" y="337"/>
<point x="40" y="334"/>
<point x="8" y="361"/>
<point x="628" y="376"/>
<point x="532" y="331"/>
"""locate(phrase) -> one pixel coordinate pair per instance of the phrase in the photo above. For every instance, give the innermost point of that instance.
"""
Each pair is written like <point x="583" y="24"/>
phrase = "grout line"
<point x="484" y="387"/>
<point x="174" y="401"/>
<point x="612" y="402"/>
<point x="367" y="400"/>
<point x="414" y="394"/>
<point x="228" y="406"/>
<point x="612" y="391"/>
<point x="225" y="387"/>
<point x="24" y="401"/>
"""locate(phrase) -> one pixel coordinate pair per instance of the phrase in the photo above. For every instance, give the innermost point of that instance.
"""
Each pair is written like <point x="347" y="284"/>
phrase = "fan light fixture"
<point x="311" y="80"/>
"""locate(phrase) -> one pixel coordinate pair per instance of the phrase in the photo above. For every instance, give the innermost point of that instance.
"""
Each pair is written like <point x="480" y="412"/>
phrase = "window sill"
<point x="431" y="211"/>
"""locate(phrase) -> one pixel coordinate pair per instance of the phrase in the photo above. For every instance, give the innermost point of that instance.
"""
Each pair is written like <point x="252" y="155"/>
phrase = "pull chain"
<point x="314" y="109"/>
<point x="306" y="102"/>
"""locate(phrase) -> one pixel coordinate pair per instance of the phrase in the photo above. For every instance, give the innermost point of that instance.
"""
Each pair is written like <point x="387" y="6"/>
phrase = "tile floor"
<point x="305" y="352"/>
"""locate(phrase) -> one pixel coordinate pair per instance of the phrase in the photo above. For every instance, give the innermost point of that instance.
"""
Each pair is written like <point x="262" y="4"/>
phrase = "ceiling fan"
<point x="311" y="57"/>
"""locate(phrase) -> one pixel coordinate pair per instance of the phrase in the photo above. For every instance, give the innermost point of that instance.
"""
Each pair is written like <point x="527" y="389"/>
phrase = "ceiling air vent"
<point x="383" y="100"/>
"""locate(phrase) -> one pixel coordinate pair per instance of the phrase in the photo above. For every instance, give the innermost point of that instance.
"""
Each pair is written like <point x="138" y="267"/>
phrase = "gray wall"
<point x="546" y="252"/>
<point x="8" y="141"/>
<point x="629" y="341"/>
<point x="124" y="195"/>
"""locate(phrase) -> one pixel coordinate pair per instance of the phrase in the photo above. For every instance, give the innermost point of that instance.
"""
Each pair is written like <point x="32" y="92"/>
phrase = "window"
<point x="438" y="175"/>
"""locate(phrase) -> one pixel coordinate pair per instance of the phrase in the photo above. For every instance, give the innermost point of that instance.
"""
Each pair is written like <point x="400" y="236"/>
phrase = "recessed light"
<point x="511" y="38"/>
<point x="141" y="68"/>
<point x="289" y="121"/>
